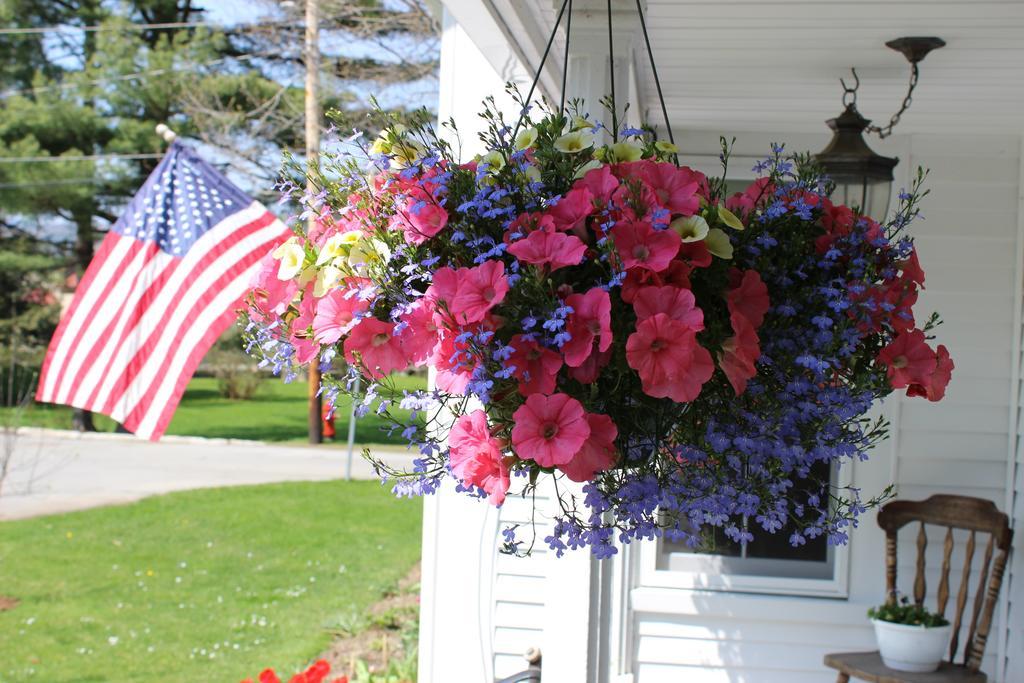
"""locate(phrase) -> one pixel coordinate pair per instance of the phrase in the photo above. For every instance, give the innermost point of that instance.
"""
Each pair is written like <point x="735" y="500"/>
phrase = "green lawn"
<point x="209" y="585"/>
<point x="277" y="413"/>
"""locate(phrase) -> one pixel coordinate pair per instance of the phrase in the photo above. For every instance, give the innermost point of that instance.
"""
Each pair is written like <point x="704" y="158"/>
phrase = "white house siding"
<point x="970" y="250"/>
<point x="1014" y="599"/>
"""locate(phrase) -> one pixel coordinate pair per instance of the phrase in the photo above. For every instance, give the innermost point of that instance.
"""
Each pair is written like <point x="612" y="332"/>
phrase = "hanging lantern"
<point x="863" y="178"/>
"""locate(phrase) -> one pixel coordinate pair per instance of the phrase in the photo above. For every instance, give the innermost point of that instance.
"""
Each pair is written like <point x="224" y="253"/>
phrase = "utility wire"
<point x="83" y="157"/>
<point x="166" y="26"/>
<point x="124" y="77"/>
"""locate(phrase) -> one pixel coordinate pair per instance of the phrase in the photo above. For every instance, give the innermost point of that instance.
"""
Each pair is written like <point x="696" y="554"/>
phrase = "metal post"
<point x="351" y="432"/>
<point x="311" y="56"/>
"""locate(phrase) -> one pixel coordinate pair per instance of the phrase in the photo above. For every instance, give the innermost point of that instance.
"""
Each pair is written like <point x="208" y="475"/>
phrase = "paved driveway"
<point x="59" y="471"/>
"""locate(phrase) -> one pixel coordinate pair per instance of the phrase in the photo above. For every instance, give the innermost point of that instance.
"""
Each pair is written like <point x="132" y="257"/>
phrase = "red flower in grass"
<point x="670" y="362"/>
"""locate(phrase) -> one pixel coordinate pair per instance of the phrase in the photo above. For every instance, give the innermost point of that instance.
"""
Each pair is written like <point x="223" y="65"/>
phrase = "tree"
<point x="98" y="87"/>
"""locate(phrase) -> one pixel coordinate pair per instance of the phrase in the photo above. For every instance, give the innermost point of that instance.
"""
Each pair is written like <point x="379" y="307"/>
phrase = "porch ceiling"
<point x="772" y="65"/>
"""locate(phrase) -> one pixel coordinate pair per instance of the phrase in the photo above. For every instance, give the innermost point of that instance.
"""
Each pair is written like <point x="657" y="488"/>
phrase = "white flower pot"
<point x="911" y="648"/>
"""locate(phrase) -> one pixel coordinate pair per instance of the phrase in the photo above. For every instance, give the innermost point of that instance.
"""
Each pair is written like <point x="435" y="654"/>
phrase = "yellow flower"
<point x="587" y="167"/>
<point x="533" y="174"/>
<point x="526" y="138"/>
<point x="291" y="254"/>
<point x="581" y="123"/>
<point x="666" y="147"/>
<point x="627" y="151"/>
<point x="405" y="151"/>
<point x="326" y="279"/>
<point x="691" y="228"/>
<point x="381" y="145"/>
<point x="494" y="160"/>
<point x="337" y="245"/>
<point x="718" y="243"/>
<point x="572" y="143"/>
<point x="729" y="218"/>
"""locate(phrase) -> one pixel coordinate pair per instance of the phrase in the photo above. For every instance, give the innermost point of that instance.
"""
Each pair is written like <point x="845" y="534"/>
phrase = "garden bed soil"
<point x="390" y="634"/>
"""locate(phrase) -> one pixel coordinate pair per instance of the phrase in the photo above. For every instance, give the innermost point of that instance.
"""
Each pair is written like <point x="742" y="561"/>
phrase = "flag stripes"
<point x="164" y="284"/>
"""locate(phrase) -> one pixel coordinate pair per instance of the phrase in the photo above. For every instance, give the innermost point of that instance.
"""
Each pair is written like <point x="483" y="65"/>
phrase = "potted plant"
<point x="910" y="638"/>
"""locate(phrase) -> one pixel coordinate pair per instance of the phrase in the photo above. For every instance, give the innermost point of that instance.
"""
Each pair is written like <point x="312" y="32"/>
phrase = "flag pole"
<point x="312" y="59"/>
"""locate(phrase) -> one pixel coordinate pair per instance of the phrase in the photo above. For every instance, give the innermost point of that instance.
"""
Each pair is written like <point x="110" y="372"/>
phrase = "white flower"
<point x="729" y="218"/>
<point x="337" y="245"/>
<point x="691" y="228"/>
<point x="574" y="142"/>
<point x="526" y="138"/>
<point x="291" y="254"/>
<point x="627" y="151"/>
<point x="327" y="278"/>
<point x="718" y="243"/>
<point x="587" y="167"/>
<point x="494" y="161"/>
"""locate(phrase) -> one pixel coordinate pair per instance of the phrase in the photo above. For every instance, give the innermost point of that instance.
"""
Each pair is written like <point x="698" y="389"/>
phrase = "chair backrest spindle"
<point x="920" y="586"/>
<point x="947" y="552"/>
<point x="961" y="598"/>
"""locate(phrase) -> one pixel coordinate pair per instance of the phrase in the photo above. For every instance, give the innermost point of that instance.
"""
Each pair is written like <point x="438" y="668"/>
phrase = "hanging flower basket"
<point x="600" y="314"/>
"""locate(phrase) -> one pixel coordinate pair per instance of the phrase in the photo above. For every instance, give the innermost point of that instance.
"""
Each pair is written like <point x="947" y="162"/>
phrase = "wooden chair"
<point x="953" y="512"/>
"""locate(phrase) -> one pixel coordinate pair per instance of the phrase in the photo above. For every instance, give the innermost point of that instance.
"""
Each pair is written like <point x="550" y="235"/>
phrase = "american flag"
<point x="164" y="284"/>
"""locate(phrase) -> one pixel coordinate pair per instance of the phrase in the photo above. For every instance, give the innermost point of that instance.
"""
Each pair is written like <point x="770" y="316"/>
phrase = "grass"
<point x="276" y="413"/>
<point x="211" y="585"/>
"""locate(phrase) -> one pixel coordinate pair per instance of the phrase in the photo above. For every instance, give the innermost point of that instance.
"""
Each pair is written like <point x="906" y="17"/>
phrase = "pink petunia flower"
<point x="601" y="182"/>
<point x="598" y="452"/>
<point x="589" y="370"/>
<point x="740" y="353"/>
<point x="301" y="338"/>
<point x="573" y="209"/>
<point x="677" y="275"/>
<point x="379" y="349"/>
<point x="675" y="187"/>
<point x="272" y="295"/>
<point x="909" y="360"/>
<point x="590" y="323"/>
<point x="641" y="246"/>
<point x="747" y="295"/>
<point x="934" y="385"/>
<point x="553" y="250"/>
<point x="336" y="314"/>
<point x="420" y="335"/>
<point x="536" y="367"/>
<point x="478" y="290"/>
<point x="421" y="219"/>
<point x="476" y="456"/>
<point x="549" y="430"/>
<point x="675" y="302"/>
<point x="670" y="362"/>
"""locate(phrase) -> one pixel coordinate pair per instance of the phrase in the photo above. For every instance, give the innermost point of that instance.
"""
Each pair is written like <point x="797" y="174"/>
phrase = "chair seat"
<point x="868" y="666"/>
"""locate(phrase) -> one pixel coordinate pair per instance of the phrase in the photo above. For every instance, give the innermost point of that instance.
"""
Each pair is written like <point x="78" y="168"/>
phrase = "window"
<point x="767" y="555"/>
<point x="767" y="564"/>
